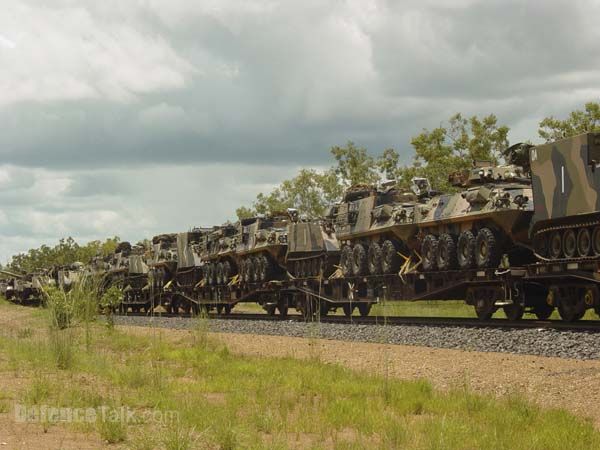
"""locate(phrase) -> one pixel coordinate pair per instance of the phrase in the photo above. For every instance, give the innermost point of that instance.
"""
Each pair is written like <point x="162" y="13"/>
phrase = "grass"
<point x="194" y="393"/>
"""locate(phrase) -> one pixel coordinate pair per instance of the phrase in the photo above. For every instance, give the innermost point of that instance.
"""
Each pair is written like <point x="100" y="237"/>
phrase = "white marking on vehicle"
<point x="562" y="177"/>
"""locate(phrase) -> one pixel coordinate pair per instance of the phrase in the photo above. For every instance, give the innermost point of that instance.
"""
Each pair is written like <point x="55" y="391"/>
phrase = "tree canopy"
<point x="67" y="251"/>
<point x="578" y="121"/>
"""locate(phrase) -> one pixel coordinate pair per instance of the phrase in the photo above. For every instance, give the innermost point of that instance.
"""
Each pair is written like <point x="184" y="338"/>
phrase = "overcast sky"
<point x="136" y="117"/>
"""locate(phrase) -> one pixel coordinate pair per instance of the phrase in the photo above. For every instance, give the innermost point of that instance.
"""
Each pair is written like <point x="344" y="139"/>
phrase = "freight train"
<point x="522" y="237"/>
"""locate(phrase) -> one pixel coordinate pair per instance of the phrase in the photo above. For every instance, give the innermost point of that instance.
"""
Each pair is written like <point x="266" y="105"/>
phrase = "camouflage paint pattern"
<point x="566" y="178"/>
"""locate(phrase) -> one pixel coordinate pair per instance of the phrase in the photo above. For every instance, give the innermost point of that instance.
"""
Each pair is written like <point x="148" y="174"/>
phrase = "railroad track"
<point x="584" y="325"/>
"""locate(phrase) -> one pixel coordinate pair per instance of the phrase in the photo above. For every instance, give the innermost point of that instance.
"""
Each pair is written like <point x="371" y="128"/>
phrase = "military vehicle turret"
<point x="476" y="227"/>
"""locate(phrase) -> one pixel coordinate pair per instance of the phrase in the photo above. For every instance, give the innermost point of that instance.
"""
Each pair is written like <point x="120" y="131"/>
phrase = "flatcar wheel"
<point x="348" y="309"/>
<point x="390" y="261"/>
<point x="364" y="309"/>
<point x="429" y="250"/>
<point x="219" y="309"/>
<point x="282" y="306"/>
<point x="514" y="312"/>
<point x="346" y="261"/>
<point x="543" y="312"/>
<point x="571" y="309"/>
<point x="569" y="243"/>
<point x="466" y="250"/>
<point x="555" y="245"/>
<point x="446" y="254"/>
<point x="486" y="249"/>
<point x="270" y="309"/>
<point x="596" y="241"/>
<point x="227" y="309"/>
<point x="359" y="260"/>
<point x="323" y="308"/>
<point x="375" y="257"/>
<point x="484" y="304"/>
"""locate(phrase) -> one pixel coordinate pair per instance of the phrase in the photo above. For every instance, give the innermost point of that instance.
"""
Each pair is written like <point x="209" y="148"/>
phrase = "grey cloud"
<point x="134" y="118"/>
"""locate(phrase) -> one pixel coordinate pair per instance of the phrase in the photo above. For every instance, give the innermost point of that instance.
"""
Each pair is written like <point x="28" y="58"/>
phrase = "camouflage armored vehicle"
<point x="162" y="266"/>
<point x="566" y="189"/>
<point x="476" y="227"/>
<point x="566" y="223"/>
<point x="218" y="251"/>
<point x="67" y="276"/>
<point x="136" y="287"/>
<point x="313" y="248"/>
<point x="261" y="248"/>
<point x="374" y="224"/>
<point x="189" y="269"/>
<point x="25" y="289"/>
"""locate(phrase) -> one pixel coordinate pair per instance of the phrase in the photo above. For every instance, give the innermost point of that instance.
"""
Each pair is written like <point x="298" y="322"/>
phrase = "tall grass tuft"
<point x="109" y="301"/>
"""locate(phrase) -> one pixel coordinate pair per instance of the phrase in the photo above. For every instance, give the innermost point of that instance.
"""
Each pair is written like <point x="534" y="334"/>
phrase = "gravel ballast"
<point x="542" y="342"/>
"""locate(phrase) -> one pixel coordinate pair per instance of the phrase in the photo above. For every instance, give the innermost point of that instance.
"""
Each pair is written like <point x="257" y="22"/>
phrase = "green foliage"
<point x="66" y="252"/>
<point x="60" y="306"/>
<point x="354" y="165"/>
<point x="310" y="192"/>
<point x="449" y="148"/>
<point x="109" y="301"/>
<point x="578" y="122"/>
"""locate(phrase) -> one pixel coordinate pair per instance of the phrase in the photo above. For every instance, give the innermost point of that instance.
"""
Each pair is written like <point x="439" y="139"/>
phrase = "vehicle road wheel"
<point x="359" y="260"/>
<point x="262" y="267"/>
<point x="446" y="258"/>
<point x="514" y="312"/>
<point x="429" y="250"/>
<point x="374" y="258"/>
<point x="555" y="245"/>
<point x="596" y="241"/>
<point x="584" y="242"/>
<point x="540" y="244"/>
<point x="348" y="309"/>
<point x="226" y="272"/>
<point x="466" y="250"/>
<point x="364" y="309"/>
<point x="219" y="273"/>
<point x="249" y="270"/>
<point x="486" y="249"/>
<point x="569" y="243"/>
<point x="390" y="260"/>
<point x="346" y="261"/>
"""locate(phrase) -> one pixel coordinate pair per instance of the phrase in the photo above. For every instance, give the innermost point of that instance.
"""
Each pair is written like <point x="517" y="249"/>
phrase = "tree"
<point x="578" y="122"/>
<point x="66" y="252"/>
<point x="447" y="149"/>
<point x="310" y="192"/>
<point x="354" y="165"/>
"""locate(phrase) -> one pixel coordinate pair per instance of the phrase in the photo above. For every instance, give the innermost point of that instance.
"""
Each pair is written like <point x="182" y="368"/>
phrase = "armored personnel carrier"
<point x="189" y="269"/>
<point x="261" y="248"/>
<point x="162" y="266"/>
<point x="374" y="224"/>
<point x="218" y="251"/>
<point x="476" y="227"/>
<point x="566" y="189"/>
<point x="313" y="248"/>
